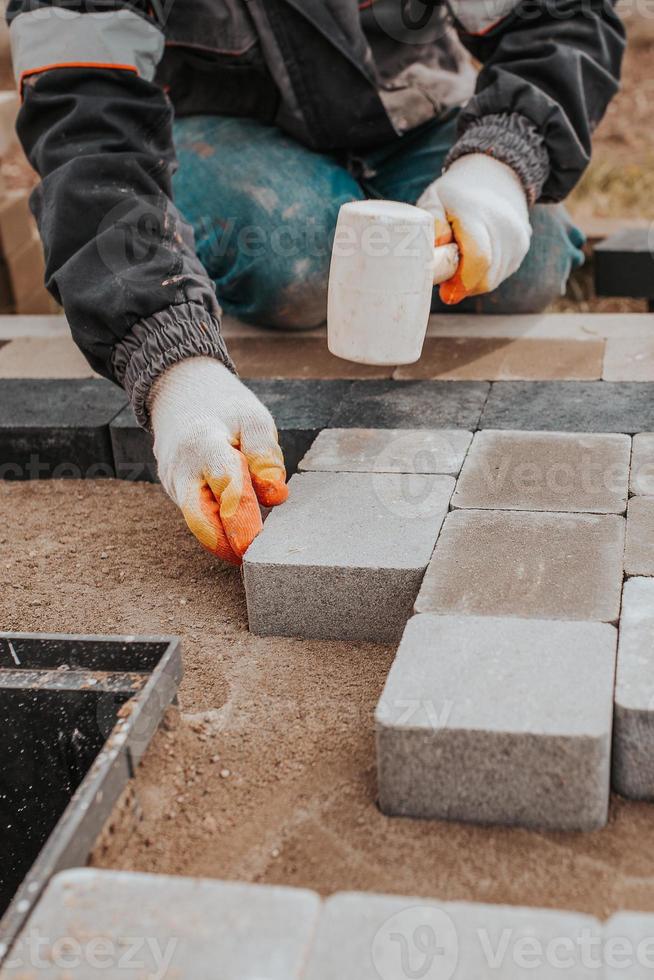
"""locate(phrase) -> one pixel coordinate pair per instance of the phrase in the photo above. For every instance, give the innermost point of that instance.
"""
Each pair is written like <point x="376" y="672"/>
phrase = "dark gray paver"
<point x="57" y="427"/>
<point x="497" y="720"/>
<point x="132" y="448"/>
<point x="300" y="409"/>
<point x="411" y="405"/>
<point x="570" y="406"/>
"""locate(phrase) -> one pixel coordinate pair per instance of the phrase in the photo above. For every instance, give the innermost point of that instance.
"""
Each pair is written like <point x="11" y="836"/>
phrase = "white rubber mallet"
<point x="383" y="268"/>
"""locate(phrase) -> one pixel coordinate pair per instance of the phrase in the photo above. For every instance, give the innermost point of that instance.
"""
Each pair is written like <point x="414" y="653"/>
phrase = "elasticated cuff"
<point x="512" y="139"/>
<point x="158" y="342"/>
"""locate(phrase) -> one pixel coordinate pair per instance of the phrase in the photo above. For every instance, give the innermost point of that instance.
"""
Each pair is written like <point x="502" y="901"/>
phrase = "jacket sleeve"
<point x="98" y="130"/>
<point x="549" y="70"/>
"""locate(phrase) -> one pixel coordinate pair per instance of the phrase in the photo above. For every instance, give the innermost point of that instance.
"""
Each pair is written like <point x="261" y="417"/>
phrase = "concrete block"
<point x="507" y="359"/>
<point x="301" y="409"/>
<point x="388" y="451"/>
<point x="44" y="357"/>
<point x="548" y="326"/>
<point x="343" y="558"/>
<point x="633" y="731"/>
<point x="624" y="265"/>
<point x="545" y="471"/>
<point x="295" y="355"/>
<point x="12" y="326"/>
<point x="544" y="566"/>
<point x="94" y="923"/>
<point x="570" y="406"/>
<point x="410" y="405"/>
<point x="132" y="448"/>
<point x="639" y="544"/>
<point x="57" y="428"/>
<point x="628" y="946"/>
<point x="629" y="359"/>
<point x="390" y="937"/>
<point x="496" y="720"/>
<point x="642" y="464"/>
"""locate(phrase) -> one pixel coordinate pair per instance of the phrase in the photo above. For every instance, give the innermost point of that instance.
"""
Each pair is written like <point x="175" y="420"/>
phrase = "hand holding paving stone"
<point x="218" y="455"/>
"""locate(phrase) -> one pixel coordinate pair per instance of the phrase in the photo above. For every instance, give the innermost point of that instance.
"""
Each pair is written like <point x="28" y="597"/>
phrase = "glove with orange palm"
<point x="481" y="204"/>
<point x="217" y="452"/>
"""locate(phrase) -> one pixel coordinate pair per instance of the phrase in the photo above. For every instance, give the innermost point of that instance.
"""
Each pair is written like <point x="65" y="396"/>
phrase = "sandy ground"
<point x="267" y="774"/>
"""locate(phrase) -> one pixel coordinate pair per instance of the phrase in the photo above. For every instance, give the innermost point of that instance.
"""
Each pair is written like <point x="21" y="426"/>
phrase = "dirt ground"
<point x="267" y="773"/>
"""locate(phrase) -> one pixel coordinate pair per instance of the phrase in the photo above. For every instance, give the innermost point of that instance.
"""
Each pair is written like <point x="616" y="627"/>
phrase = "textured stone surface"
<point x="639" y="544"/>
<point x="293" y="355"/>
<point x="570" y="406"/>
<point x="390" y="937"/>
<point x="498" y="359"/>
<point x="549" y="566"/>
<point x="44" y="357"/>
<point x="183" y="927"/>
<point x="642" y="463"/>
<point x="633" y="733"/>
<point x="388" y="451"/>
<point x="629" y="359"/>
<point x="545" y="471"/>
<point x="57" y="428"/>
<point x="629" y="946"/>
<point x="132" y="448"/>
<point x="497" y="720"/>
<point x="556" y="326"/>
<point x="345" y="555"/>
<point x="410" y="405"/>
<point x="301" y="409"/>
<point x="33" y="326"/>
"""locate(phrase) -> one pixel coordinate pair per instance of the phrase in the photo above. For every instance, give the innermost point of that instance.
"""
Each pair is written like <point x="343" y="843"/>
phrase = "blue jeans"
<point x="263" y="208"/>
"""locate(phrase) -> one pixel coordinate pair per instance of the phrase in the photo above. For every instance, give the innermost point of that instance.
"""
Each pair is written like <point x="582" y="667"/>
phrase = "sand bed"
<point x="267" y="773"/>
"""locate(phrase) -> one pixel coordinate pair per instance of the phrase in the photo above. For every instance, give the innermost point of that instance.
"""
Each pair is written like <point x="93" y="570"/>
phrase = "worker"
<point x="259" y="119"/>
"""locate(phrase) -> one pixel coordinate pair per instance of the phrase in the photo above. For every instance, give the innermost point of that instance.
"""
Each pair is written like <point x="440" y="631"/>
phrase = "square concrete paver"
<point x="548" y="566"/>
<point x="388" y="451"/>
<point x="497" y="359"/>
<point x="633" y="733"/>
<point x="642" y="463"/>
<point x="629" y="359"/>
<point x="189" y="928"/>
<point x="390" y="937"/>
<point x="344" y="556"/>
<point x="570" y="406"/>
<point x="549" y="471"/>
<point x="411" y="405"/>
<point x="639" y="544"/>
<point x="293" y="355"/>
<point x="44" y="357"/>
<point x="496" y="720"/>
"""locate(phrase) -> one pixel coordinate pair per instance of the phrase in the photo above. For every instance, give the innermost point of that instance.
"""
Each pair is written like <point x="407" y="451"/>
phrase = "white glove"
<point x="481" y="203"/>
<point x="217" y="451"/>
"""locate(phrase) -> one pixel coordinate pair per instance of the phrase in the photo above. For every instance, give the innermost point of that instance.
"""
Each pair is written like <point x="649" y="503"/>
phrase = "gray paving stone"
<point x="389" y="937"/>
<point x="496" y="720"/>
<point x="545" y="566"/>
<point x="639" y="543"/>
<point x="388" y="451"/>
<point x="411" y="405"/>
<point x="194" y="928"/>
<point x="344" y="556"/>
<point x="132" y="448"/>
<point x="633" y="731"/>
<point x="570" y="406"/>
<point x="628" y="947"/>
<point x="545" y="471"/>
<point x="57" y="428"/>
<point x="642" y="464"/>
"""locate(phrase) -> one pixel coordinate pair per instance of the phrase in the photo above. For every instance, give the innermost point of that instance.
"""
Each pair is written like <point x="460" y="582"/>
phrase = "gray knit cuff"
<point x="158" y="342"/>
<point x="514" y="140"/>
